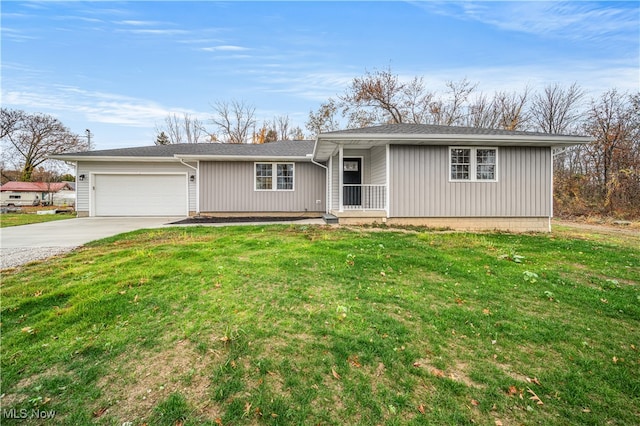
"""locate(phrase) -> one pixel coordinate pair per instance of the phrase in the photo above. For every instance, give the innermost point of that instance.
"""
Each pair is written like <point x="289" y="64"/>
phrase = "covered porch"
<point x="358" y="184"/>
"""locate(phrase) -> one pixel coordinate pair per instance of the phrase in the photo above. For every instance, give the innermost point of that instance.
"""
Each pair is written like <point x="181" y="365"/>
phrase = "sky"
<point x="119" y="68"/>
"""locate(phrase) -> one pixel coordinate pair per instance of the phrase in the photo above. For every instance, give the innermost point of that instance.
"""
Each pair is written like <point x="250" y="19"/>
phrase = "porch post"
<point x="387" y="178"/>
<point x="340" y="168"/>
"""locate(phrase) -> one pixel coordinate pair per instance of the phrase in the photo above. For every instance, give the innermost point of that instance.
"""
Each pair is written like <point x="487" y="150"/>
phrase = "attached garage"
<point x="140" y="195"/>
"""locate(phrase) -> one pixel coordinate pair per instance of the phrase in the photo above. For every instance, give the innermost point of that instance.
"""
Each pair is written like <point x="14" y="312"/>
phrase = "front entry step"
<point x="330" y="219"/>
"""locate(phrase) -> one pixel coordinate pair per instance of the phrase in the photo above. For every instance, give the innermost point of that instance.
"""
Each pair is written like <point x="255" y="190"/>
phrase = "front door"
<point x="352" y="179"/>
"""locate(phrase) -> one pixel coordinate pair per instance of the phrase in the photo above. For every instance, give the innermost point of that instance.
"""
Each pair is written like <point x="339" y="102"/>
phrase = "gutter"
<point x="113" y="158"/>
<point x="310" y="156"/>
<point x="239" y="158"/>
<point x="185" y="164"/>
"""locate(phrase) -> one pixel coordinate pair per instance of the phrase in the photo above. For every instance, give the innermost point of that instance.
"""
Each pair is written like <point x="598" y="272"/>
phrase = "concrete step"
<point x="330" y="219"/>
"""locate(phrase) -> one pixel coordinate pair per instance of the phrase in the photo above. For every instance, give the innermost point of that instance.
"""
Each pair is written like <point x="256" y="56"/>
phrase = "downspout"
<point x="326" y="177"/>
<point x="552" y="188"/>
<point x="318" y="164"/>
<point x="197" y="183"/>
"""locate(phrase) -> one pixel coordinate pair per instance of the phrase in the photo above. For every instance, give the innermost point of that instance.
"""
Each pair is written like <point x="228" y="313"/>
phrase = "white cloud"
<point x="136" y="23"/>
<point x="16" y="35"/>
<point x="573" y="20"/>
<point x="224" y="48"/>
<point x="161" y="32"/>
<point x="97" y="107"/>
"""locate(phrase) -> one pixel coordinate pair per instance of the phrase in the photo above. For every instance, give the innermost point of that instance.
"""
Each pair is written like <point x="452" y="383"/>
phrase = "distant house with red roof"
<point x="36" y="193"/>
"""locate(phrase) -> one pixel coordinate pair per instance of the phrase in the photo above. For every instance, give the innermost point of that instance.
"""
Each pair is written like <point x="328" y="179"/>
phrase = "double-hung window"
<point x="274" y="176"/>
<point x="473" y="164"/>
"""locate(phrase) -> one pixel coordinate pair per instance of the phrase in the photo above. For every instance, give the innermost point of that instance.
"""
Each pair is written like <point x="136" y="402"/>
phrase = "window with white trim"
<point x="274" y="176"/>
<point x="473" y="164"/>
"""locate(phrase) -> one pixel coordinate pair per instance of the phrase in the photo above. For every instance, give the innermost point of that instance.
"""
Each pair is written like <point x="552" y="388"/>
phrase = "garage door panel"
<point x="140" y="195"/>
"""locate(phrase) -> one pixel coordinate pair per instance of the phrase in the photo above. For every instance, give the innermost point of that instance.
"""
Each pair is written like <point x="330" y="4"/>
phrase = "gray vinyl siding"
<point x="378" y="165"/>
<point x="335" y="183"/>
<point x="88" y="167"/>
<point x="229" y="187"/>
<point x="420" y="184"/>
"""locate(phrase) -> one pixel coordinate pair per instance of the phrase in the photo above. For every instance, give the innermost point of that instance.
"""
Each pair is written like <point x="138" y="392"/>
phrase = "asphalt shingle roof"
<point x="430" y="129"/>
<point x="34" y="186"/>
<point x="271" y="149"/>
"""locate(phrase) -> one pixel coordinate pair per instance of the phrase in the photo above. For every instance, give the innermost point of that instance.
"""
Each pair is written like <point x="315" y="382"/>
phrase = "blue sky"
<point x="118" y="68"/>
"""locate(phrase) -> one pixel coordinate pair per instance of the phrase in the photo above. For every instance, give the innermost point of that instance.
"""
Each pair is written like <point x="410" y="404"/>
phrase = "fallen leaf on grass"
<point x="37" y="293"/>
<point x="218" y="421"/>
<point x="335" y="374"/>
<point x="353" y="360"/>
<point x="535" y="397"/>
<point x="586" y="410"/>
<point x="436" y="372"/>
<point x="498" y="423"/>
<point x="614" y="359"/>
<point x="512" y="390"/>
<point x="421" y="408"/>
<point x="99" y="412"/>
<point x="486" y="311"/>
<point x="474" y="403"/>
<point x="247" y="408"/>
<point x="534" y="380"/>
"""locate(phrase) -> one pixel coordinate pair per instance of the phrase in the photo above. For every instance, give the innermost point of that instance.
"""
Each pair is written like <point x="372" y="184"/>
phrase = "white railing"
<point x="364" y="197"/>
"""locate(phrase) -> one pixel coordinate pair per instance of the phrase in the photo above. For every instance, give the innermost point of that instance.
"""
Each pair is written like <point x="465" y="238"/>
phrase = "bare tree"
<point x="417" y="101"/>
<point x="323" y="120"/>
<point x="33" y="137"/>
<point x="185" y="129"/>
<point x="449" y="111"/>
<point x="512" y="110"/>
<point x="234" y="120"/>
<point x="297" y="134"/>
<point x="10" y="120"/>
<point x="281" y="125"/>
<point x="378" y="93"/>
<point x="194" y="130"/>
<point x="482" y="113"/>
<point x="555" y="110"/>
<point x="612" y="121"/>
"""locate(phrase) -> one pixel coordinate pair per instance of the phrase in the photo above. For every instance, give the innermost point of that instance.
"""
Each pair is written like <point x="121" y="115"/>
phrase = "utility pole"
<point x="88" y="133"/>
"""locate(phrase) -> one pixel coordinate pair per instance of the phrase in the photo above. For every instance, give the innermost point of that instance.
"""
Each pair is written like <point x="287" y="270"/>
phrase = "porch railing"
<point x="364" y="197"/>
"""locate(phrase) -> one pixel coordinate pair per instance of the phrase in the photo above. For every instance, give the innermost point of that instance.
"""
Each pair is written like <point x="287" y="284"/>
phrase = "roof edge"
<point x="435" y="137"/>
<point x="71" y="157"/>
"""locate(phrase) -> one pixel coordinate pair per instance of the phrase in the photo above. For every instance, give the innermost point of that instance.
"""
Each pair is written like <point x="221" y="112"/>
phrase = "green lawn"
<point x="16" y="219"/>
<point x="315" y="325"/>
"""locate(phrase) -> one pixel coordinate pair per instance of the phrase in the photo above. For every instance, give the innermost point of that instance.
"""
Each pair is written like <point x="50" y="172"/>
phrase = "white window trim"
<point x="474" y="164"/>
<point x="274" y="177"/>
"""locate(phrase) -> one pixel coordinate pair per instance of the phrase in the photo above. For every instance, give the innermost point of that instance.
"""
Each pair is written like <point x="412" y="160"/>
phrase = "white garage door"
<point x="140" y="195"/>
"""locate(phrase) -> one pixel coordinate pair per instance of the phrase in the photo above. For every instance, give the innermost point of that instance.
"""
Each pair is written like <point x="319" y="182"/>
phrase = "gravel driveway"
<point x="10" y="258"/>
